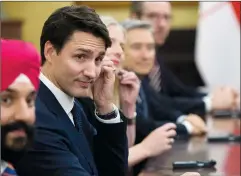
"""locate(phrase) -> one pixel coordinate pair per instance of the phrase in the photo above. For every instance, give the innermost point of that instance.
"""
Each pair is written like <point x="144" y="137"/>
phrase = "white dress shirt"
<point x="4" y="165"/>
<point x="67" y="102"/>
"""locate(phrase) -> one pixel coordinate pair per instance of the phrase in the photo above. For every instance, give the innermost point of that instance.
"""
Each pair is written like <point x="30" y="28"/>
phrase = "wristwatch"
<point x="109" y="116"/>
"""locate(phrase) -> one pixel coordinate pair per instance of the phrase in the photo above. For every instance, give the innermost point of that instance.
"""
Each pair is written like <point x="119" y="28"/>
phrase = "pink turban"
<point x="19" y="57"/>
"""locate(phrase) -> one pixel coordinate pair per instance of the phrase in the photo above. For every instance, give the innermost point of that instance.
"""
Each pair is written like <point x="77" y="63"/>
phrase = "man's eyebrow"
<point x="10" y="90"/>
<point x="101" y="53"/>
<point x="32" y="93"/>
<point x="86" y="50"/>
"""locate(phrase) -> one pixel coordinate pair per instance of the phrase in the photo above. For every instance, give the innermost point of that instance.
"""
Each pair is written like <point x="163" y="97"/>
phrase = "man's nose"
<point x="25" y="113"/>
<point x="90" y="70"/>
<point x="161" y="23"/>
<point x="144" y="54"/>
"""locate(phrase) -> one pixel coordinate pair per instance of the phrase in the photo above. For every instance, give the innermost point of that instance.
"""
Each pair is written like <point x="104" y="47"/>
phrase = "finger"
<point x="106" y="58"/>
<point x="122" y="71"/>
<point x="108" y="63"/>
<point x="109" y="70"/>
<point x="171" y="133"/>
<point x="133" y="79"/>
<point x="129" y="74"/>
<point x="129" y="83"/>
<point x="168" y="126"/>
<point x="199" y="126"/>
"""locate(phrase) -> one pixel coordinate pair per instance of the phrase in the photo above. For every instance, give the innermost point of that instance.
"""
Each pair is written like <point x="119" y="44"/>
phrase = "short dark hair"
<point x="62" y="23"/>
<point x="137" y="8"/>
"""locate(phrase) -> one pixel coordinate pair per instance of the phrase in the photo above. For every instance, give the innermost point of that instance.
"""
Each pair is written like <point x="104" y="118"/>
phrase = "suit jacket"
<point x="158" y="115"/>
<point x="60" y="150"/>
<point x="177" y="95"/>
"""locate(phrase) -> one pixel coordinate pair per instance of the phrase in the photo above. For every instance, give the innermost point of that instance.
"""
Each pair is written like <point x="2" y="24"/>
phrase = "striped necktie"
<point x="142" y="106"/>
<point x="155" y="77"/>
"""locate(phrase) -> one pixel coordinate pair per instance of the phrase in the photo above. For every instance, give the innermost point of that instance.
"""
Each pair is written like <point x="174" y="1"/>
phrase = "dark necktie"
<point x="79" y="118"/>
<point x="142" y="107"/>
<point x="77" y="114"/>
<point x="155" y="77"/>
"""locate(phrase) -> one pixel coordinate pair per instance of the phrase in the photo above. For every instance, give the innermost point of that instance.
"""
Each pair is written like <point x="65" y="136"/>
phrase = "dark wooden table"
<point x="227" y="155"/>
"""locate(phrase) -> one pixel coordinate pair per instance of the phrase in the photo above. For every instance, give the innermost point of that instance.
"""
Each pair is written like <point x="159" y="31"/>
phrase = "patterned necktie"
<point x="77" y="118"/>
<point x="155" y="77"/>
<point x="79" y="114"/>
<point x="142" y="107"/>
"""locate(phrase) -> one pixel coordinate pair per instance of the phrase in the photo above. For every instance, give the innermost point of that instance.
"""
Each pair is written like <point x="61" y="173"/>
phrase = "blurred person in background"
<point x="172" y="91"/>
<point x="161" y="139"/>
<point x="126" y="92"/>
<point x="140" y="57"/>
<point x="20" y="67"/>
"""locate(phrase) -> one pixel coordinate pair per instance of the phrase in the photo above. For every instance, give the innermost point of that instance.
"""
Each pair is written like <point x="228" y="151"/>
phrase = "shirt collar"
<point x="66" y="101"/>
<point x="4" y="165"/>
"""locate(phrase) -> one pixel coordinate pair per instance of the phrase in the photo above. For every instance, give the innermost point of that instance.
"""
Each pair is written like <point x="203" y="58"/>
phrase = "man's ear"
<point x="49" y="51"/>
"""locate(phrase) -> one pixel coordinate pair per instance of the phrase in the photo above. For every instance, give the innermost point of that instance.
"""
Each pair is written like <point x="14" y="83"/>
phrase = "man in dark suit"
<point x="73" y="44"/>
<point x="151" y="111"/>
<point x="172" y="91"/>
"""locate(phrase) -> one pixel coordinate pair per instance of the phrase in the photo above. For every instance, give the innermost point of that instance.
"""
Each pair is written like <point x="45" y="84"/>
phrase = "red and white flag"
<point x="217" y="51"/>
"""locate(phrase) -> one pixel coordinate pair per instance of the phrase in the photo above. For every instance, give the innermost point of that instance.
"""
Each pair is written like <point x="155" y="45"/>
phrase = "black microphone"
<point x="193" y="164"/>
<point x="226" y="138"/>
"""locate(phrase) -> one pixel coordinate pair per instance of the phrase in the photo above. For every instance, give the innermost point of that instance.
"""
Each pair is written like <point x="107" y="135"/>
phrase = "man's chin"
<point x="82" y="93"/>
<point x="12" y="155"/>
<point x="14" y="144"/>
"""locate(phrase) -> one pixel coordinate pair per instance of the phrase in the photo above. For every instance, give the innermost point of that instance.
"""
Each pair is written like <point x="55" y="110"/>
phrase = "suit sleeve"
<point x="146" y="126"/>
<point x="110" y="143"/>
<point x="161" y="108"/>
<point x="50" y="157"/>
<point x="176" y="88"/>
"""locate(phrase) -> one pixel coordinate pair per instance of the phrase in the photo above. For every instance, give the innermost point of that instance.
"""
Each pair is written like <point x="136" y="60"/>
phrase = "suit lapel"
<point x="47" y="97"/>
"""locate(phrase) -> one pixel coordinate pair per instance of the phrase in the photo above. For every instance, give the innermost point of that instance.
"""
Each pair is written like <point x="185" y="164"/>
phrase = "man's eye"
<point x="80" y="56"/>
<point x="30" y="102"/>
<point x="136" y="47"/>
<point x="99" y="60"/>
<point x="6" y="100"/>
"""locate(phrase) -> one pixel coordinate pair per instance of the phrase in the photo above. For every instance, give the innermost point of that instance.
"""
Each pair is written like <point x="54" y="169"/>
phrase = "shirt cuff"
<point x="181" y="118"/>
<point x="208" y="103"/>
<point x="111" y="121"/>
<point x="188" y="126"/>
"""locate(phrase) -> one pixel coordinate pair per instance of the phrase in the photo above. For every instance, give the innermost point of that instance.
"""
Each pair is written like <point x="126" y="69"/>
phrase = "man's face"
<point x="17" y="117"/>
<point x="115" y="52"/>
<point x="159" y="14"/>
<point x="139" y="51"/>
<point x="75" y="68"/>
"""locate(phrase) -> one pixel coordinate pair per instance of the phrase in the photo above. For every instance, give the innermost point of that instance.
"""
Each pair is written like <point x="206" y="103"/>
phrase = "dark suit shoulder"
<point x="44" y="118"/>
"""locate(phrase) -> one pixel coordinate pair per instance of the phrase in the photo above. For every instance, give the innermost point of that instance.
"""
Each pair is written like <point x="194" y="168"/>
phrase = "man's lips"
<point x="18" y="133"/>
<point x="84" y="84"/>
